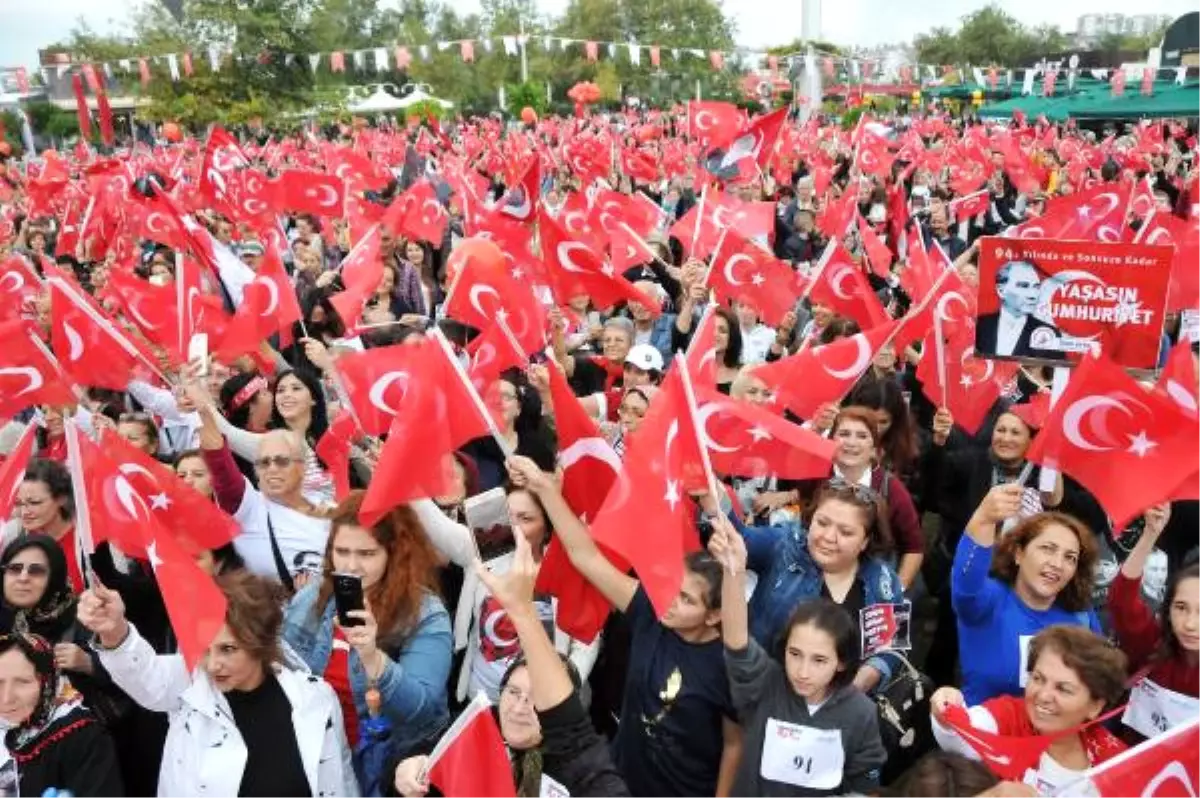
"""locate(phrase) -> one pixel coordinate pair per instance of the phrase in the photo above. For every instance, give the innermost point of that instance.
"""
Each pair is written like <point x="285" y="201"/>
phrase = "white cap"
<point x="645" y="357"/>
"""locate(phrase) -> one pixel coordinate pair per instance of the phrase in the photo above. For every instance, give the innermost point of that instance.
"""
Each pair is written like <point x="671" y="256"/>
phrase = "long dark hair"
<point x="733" y="349"/>
<point x="1169" y="646"/>
<point x="319" y="421"/>
<point x="835" y="621"/>
<point x="899" y="443"/>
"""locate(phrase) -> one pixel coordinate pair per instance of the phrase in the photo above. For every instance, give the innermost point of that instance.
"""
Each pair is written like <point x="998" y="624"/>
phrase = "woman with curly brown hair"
<point x="390" y="670"/>
<point x="1040" y="574"/>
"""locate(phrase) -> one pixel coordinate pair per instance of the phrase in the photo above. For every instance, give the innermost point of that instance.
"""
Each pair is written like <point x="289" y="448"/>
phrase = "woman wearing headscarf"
<point x="53" y="741"/>
<point x="245" y="721"/>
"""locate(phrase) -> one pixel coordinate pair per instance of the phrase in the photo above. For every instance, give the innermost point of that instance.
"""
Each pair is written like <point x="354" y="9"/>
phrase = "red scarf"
<point x="613" y="374"/>
<point x="1016" y="746"/>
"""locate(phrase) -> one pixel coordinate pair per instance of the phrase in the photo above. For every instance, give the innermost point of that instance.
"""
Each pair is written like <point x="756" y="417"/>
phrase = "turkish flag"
<point x="362" y="271"/>
<point x="971" y="205"/>
<point x="742" y="271"/>
<point x="713" y="122"/>
<point x="269" y="306"/>
<point x="1118" y="440"/>
<point x="29" y="374"/>
<point x="493" y="352"/>
<point x="418" y="214"/>
<point x="1178" y="380"/>
<point x="88" y="343"/>
<point x="306" y="191"/>
<point x="628" y="249"/>
<point x="334" y="451"/>
<point x="471" y="758"/>
<point x="972" y="385"/>
<point x="639" y="165"/>
<point x="482" y="293"/>
<point x="437" y="414"/>
<point x="810" y="379"/>
<point x="12" y="472"/>
<point x="613" y="211"/>
<point x="152" y="220"/>
<point x="745" y="440"/>
<point x="879" y="257"/>
<point x="590" y="466"/>
<point x="193" y="518"/>
<point x="356" y="168"/>
<point x="1095" y="214"/>
<point x="1165" y="765"/>
<point x="152" y="309"/>
<point x="575" y="269"/>
<point x="1007" y="756"/>
<point x="646" y="517"/>
<point x="838" y="215"/>
<point x="376" y="381"/>
<point x="872" y="156"/>
<point x="841" y="285"/>
<point x="19" y="286"/>
<point x="1164" y="229"/>
<point x="222" y="158"/>
<point x="746" y="154"/>
<point x="521" y="201"/>
<point x="702" y="353"/>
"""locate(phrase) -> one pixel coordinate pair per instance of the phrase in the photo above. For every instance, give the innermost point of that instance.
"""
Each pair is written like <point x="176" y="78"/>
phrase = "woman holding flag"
<point x="245" y="722"/>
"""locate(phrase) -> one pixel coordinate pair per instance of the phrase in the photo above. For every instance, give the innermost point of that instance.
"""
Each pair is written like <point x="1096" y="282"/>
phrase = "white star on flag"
<point x="966" y="380"/>
<point x="758" y="279"/>
<point x="672" y="495"/>
<point x="1140" y="444"/>
<point x="518" y="273"/>
<point x="159" y="502"/>
<point x="152" y="555"/>
<point x="759" y="434"/>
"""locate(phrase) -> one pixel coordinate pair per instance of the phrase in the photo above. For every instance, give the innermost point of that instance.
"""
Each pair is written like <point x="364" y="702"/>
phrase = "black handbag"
<point x="904" y="721"/>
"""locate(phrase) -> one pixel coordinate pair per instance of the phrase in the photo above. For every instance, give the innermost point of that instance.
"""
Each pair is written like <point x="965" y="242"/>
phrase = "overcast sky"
<point x="26" y="25"/>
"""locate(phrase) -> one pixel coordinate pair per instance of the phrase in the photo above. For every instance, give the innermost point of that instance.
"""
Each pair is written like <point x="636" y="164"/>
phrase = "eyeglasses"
<point x="279" y="461"/>
<point x="32" y="504"/>
<point x="861" y="492"/>
<point x="518" y="695"/>
<point x="34" y="569"/>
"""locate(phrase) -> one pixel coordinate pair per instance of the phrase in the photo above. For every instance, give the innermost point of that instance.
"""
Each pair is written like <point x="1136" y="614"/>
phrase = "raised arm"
<point x="617" y="587"/>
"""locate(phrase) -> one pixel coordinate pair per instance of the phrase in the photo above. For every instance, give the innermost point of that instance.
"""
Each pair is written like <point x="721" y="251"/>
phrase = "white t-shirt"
<point x="301" y="538"/>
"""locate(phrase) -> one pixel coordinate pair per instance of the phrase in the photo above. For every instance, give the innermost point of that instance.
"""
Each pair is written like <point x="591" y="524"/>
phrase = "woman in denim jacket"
<point x="838" y="553"/>
<point x="389" y="672"/>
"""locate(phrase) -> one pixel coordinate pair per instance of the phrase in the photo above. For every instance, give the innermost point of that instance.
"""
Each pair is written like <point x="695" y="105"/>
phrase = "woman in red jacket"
<point x="1163" y="650"/>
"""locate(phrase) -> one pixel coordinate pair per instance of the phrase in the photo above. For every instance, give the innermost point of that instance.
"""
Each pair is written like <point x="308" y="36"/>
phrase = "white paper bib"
<point x="802" y="756"/>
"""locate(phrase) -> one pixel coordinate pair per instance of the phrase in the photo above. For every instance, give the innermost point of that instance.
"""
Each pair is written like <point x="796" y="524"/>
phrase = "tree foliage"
<point x="989" y="36"/>
<point x="257" y="78"/>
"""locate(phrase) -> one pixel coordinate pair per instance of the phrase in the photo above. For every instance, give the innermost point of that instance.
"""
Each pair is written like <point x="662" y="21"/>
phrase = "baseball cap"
<point x="645" y="357"/>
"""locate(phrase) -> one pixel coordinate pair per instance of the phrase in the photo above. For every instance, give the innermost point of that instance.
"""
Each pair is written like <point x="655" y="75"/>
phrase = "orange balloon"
<point x="5" y="148"/>
<point x="528" y="115"/>
<point x="171" y="132"/>
<point x="481" y="252"/>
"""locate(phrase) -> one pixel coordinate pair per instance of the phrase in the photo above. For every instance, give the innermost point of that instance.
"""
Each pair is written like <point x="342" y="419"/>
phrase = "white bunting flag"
<point x="314" y="60"/>
<point x="1027" y="85"/>
<point x="360" y="60"/>
<point x="510" y="44"/>
<point x="173" y="66"/>
<point x="635" y="54"/>
<point x="214" y="58"/>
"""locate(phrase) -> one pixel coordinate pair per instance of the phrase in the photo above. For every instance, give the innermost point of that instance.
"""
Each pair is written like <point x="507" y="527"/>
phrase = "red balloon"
<point x="482" y="252"/>
<point x="528" y="115"/>
<point x="171" y="132"/>
<point x="5" y="148"/>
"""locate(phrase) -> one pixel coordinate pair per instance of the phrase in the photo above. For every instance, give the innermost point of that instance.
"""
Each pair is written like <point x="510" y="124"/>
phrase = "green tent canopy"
<point x="1096" y="102"/>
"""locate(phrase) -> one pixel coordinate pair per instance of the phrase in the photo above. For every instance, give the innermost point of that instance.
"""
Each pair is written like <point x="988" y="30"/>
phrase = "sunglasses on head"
<point x="861" y="492"/>
<point x="34" y="569"/>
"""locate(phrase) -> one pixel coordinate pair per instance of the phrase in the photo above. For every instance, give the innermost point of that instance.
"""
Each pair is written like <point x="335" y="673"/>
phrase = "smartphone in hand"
<point x="347" y="598"/>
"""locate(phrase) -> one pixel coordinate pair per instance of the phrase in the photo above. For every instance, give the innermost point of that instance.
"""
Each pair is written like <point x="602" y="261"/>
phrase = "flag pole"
<point x="476" y="399"/>
<point x="644" y="243"/>
<point x="699" y="220"/>
<point x="822" y="264"/>
<point x="83" y="521"/>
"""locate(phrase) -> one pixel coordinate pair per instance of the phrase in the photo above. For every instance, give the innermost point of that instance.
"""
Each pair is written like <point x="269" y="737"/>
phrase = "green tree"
<point x="989" y="36"/>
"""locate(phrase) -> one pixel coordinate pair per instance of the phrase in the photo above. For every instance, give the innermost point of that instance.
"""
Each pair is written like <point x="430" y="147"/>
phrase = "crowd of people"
<point x="1026" y="615"/>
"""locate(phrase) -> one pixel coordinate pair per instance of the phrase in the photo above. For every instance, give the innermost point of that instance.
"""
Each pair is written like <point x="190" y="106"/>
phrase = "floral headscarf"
<point x="55" y="696"/>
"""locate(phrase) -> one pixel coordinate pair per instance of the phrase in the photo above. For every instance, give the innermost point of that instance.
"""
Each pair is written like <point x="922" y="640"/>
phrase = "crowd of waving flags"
<point x="1106" y="431"/>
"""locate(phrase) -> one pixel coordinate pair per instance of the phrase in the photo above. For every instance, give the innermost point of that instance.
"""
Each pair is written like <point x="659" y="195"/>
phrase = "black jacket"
<point x="574" y="754"/>
<point x="74" y="753"/>
<point x="987" y="332"/>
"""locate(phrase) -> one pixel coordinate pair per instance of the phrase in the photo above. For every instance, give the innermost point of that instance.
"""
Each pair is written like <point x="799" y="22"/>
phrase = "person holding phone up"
<point x="387" y="654"/>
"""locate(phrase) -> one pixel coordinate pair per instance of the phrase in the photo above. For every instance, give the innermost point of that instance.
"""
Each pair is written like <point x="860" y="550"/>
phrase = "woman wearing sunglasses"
<point x="283" y="533"/>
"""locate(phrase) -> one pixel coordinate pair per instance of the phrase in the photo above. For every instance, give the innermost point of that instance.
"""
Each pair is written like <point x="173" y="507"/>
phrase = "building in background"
<point x="810" y="21"/>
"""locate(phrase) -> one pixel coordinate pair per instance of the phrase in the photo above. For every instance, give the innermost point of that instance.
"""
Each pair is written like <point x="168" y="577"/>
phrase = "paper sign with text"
<point x="885" y="627"/>
<point x="1052" y="301"/>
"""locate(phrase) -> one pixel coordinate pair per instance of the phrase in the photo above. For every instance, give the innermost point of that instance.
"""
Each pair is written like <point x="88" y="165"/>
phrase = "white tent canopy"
<point x="382" y="102"/>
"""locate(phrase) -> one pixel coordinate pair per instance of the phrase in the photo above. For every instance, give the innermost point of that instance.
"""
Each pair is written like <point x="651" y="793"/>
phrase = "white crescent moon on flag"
<point x="567" y="217"/>
<point x="837" y="279"/>
<point x="380" y="386"/>
<point x="477" y="291"/>
<point x="728" y="270"/>
<point x="129" y="469"/>
<point x="489" y="628"/>
<point x="703" y="414"/>
<point x="130" y="499"/>
<point x="1182" y="396"/>
<point x="437" y="210"/>
<point x="861" y="359"/>
<point x="700" y="116"/>
<point x="565" y="248"/>
<point x="135" y="310"/>
<point x="74" y="342"/>
<point x="484" y="355"/>
<point x="1078" y="411"/>
<point x="328" y="198"/>
<point x="18" y="281"/>
<point x="29" y="372"/>
<point x="273" y="293"/>
<point x="944" y="302"/>
<point x="520" y="211"/>
<point x="596" y="448"/>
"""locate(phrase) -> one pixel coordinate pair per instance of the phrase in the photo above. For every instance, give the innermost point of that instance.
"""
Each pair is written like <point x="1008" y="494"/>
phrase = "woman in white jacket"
<point x="229" y="719"/>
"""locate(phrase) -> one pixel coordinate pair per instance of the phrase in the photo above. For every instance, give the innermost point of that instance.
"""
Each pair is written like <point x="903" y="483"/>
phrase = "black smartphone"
<point x="348" y="597"/>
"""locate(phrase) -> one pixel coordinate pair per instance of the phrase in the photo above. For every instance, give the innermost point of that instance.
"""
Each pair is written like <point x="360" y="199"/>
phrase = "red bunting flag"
<point x="1148" y="75"/>
<point x="402" y="57"/>
<point x="466" y="49"/>
<point x="337" y="61"/>
<point x="592" y="50"/>
<point x="144" y="71"/>
<point x="717" y="59"/>
<point x="655" y="56"/>
<point x="1118" y="82"/>
<point x="22" y="80"/>
<point x="187" y="64"/>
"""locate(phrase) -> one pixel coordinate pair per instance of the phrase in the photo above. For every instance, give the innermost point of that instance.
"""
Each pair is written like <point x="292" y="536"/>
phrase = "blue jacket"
<point x="787" y="576"/>
<point x="412" y="686"/>
<point x="660" y="335"/>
